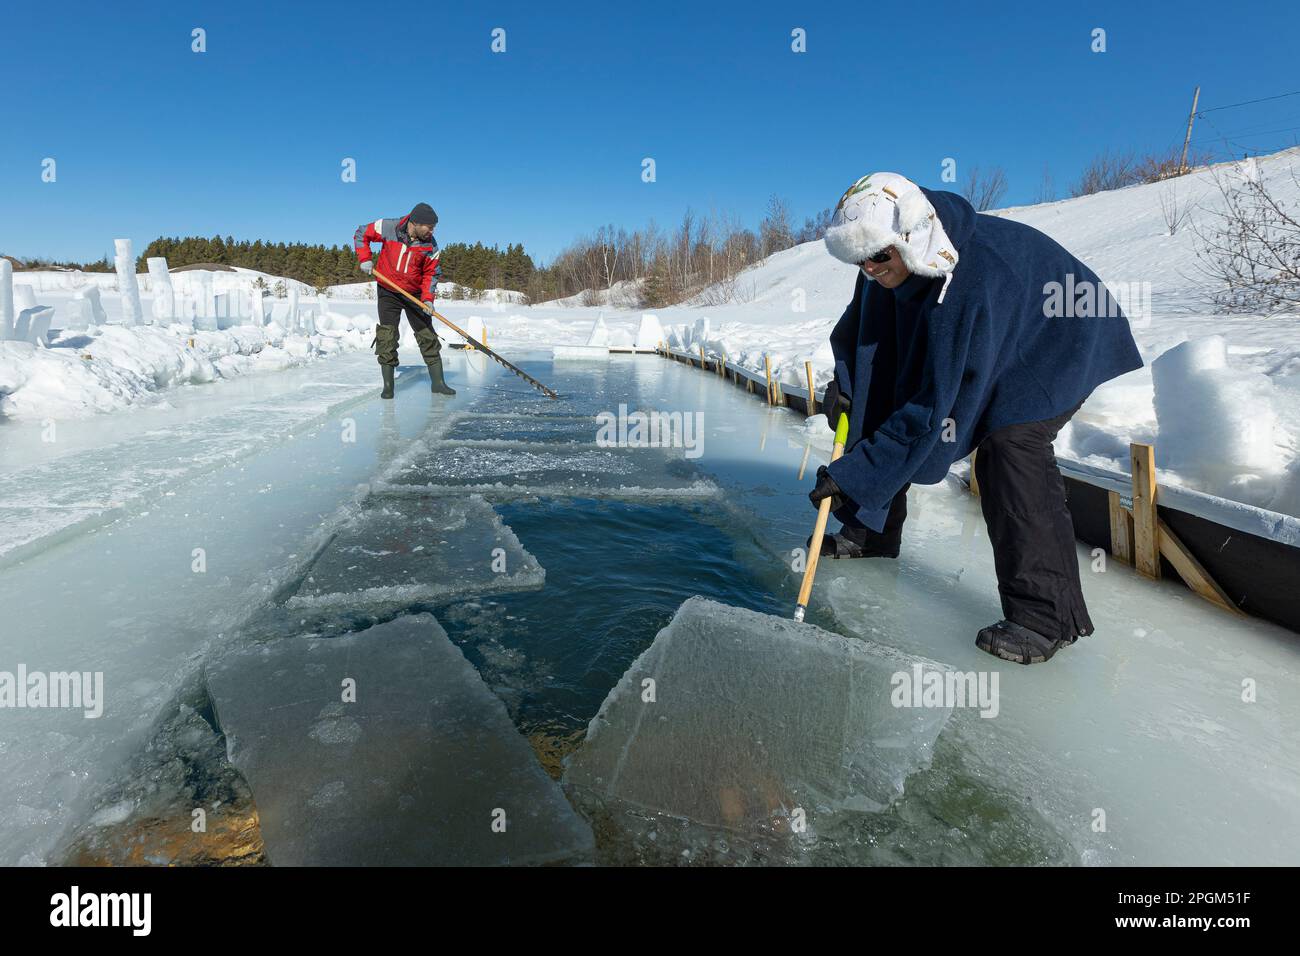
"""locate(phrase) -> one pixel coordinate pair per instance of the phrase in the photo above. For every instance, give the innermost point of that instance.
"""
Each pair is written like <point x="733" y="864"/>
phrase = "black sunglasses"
<point x="879" y="257"/>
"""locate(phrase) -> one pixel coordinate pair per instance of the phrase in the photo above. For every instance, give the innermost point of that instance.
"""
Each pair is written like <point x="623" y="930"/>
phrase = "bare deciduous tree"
<point x="1251" y="249"/>
<point x="1175" y="210"/>
<point x="984" y="190"/>
<point x="1046" y="189"/>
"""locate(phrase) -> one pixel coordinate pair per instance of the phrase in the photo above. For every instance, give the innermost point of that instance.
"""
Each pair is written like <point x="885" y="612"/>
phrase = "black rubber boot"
<point x="436" y="383"/>
<point x="840" y="545"/>
<point x="1011" y="642"/>
<point x="387" y="371"/>
<point x="431" y="351"/>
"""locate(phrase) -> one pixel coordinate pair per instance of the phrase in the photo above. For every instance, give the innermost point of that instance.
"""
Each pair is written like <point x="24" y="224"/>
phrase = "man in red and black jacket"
<point x="408" y="258"/>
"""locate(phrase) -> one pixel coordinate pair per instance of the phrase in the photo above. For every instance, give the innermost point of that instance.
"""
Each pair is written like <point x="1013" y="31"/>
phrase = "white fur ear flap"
<point x="913" y="209"/>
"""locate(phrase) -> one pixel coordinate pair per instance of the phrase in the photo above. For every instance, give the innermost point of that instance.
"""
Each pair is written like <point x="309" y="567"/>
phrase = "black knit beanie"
<point x="423" y="213"/>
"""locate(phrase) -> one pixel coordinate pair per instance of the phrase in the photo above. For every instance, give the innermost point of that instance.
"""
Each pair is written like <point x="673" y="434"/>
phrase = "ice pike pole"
<point x="548" y="392"/>
<point x="819" y="529"/>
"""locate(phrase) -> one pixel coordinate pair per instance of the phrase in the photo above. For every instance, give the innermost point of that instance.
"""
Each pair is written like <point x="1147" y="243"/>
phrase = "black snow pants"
<point x="391" y="307"/>
<point x="1022" y="496"/>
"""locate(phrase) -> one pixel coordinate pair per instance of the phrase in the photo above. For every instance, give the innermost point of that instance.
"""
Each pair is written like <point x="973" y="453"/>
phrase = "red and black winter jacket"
<point x="412" y="265"/>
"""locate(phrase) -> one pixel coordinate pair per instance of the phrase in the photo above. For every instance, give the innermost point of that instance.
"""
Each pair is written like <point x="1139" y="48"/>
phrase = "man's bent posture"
<point x="408" y="257"/>
<point x="950" y="345"/>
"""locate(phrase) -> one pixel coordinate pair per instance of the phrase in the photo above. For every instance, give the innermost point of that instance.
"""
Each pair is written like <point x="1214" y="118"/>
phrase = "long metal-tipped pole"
<point x="819" y="529"/>
<point x="548" y="392"/>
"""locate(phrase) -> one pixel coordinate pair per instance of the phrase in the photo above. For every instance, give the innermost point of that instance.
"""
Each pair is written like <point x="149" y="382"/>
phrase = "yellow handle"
<point x="819" y="529"/>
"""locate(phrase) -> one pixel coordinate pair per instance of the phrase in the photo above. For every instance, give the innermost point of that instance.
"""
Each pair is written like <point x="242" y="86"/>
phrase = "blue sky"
<point x="545" y="141"/>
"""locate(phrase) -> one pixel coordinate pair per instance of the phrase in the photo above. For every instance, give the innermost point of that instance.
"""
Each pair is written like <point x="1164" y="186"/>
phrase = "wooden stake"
<point x="722" y="367"/>
<point x="767" y="364"/>
<point x="1146" y="536"/>
<point x="812" y="395"/>
<point x="1191" y="571"/>
<point x="1121" y="530"/>
<point x="701" y="358"/>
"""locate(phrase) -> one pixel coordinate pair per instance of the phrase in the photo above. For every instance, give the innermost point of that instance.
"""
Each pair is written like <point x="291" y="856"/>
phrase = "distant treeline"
<point x="476" y="266"/>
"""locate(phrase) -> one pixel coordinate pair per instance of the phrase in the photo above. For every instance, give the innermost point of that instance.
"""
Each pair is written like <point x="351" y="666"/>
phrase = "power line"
<point x="1262" y="99"/>
<point x="1231" y="136"/>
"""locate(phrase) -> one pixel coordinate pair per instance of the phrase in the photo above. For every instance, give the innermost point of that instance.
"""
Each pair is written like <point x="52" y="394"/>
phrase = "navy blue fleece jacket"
<point x="928" y="380"/>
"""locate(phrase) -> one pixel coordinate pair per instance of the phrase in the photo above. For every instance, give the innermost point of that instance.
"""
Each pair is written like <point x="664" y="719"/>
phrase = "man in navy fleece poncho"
<point x="952" y="343"/>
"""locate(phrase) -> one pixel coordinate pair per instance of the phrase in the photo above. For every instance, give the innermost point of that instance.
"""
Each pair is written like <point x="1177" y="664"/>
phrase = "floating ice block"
<point x="549" y="428"/>
<point x="749" y="718"/>
<point x="416" y="771"/>
<point x="585" y="471"/>
<point x="403" y="550"/>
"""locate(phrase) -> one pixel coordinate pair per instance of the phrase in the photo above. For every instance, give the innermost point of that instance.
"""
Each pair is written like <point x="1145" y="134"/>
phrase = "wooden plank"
<point x="1191" y="570"/>
<point x="767" y="364"/>
<point x="1121" y="530"/>
<point x="1146" y="536"/>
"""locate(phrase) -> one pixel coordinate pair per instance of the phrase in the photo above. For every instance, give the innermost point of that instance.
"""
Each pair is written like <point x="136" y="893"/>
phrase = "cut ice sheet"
<point x="546" y="428"/>
<point x="754" y="724"/>
<point x="423" y="768"/>
<point x="584" y="469"/>
<point x="407" y="550"/>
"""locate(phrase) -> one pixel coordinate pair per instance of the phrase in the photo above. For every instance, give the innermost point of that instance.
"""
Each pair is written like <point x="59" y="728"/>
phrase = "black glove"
<point x="826" y="488"/>
<point x="834" y="404"/>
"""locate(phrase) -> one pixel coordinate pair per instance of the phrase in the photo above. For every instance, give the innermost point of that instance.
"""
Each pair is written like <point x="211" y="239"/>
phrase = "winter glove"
<point x="826" y="488"/>
<point x="367" y="266"/>
<point x="428" y="305"/>
<point x="834" y="404"/>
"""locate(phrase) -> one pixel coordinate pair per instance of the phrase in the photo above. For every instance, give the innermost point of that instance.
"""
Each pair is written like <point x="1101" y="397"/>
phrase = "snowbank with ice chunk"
<point x="1217" y="424"/>
<point x="110" y="367"/>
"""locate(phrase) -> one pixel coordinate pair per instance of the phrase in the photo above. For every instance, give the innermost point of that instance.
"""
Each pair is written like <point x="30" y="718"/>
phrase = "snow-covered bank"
<point x="111" y="367"/>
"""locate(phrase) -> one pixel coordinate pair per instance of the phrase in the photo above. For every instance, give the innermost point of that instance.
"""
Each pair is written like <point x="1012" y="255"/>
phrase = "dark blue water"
<point x="616" y="572"/>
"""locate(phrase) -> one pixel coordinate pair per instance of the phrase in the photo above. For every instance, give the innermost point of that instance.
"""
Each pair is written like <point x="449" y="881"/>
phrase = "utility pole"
<point x="1182" y="163"/>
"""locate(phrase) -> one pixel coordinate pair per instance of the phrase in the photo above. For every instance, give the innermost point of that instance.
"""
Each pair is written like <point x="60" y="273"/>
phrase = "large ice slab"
<point x="751" y="723"/>
<point x="548" y="428"/>
<point x="416" y="771"/>
<point x="521" y="469"/>
<point x="404" y="550"/>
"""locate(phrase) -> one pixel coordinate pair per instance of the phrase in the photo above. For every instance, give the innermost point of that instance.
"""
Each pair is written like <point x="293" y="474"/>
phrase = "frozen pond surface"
<point x="242" y="560"/>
